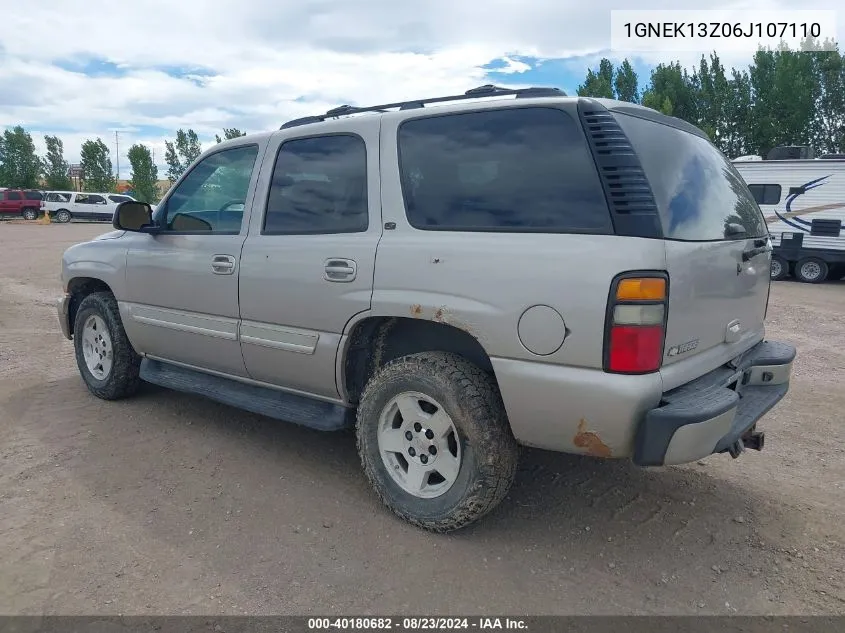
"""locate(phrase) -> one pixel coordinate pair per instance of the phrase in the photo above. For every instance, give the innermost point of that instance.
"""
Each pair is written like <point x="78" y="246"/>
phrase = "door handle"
<point x="223" y="264"/>
<point x="343" y="270"/>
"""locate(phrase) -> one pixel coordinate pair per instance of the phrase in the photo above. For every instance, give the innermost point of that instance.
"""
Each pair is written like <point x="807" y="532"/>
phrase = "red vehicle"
<point x="22" y="203"/>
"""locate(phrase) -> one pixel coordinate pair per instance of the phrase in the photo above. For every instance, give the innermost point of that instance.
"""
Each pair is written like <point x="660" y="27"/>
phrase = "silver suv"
<point x="454" y="277"/>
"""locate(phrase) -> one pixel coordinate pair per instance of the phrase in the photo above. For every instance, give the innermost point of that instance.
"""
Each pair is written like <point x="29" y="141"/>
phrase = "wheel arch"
<point x="80" y="287"/>
<point x="376" y="340"/>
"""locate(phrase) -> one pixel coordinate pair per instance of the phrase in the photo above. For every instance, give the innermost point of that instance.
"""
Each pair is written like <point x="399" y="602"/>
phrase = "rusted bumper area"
<point x="713" y="413"/>
<point x="63" y="306"/>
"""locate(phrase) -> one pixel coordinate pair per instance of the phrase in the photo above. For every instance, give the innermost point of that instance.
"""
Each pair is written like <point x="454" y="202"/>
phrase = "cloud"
<point x="156" y="65"/>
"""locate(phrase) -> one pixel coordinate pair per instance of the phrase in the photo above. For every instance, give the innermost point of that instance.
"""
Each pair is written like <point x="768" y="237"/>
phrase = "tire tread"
<point x="486" y="416"/>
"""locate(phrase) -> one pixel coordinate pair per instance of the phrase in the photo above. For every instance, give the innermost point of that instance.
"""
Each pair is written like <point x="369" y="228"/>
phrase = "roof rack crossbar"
<point x="487" y="90"/>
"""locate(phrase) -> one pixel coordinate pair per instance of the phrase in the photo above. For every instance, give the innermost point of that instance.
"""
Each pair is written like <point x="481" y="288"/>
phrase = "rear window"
<point x="765" y="194"/>
<point x="32" y="195"/>
<point x="697" y="189"/>
<point x="514" y="169"/>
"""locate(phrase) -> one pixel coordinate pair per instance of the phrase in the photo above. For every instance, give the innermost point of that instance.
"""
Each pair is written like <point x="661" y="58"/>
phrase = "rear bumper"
<point x="712" y="413"/>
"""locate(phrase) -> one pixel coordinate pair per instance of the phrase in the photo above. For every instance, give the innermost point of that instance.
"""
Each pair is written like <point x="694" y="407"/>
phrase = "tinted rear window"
<point x="33" y="195"/>
<point x="514" y="169"/>
<point x="697" y="190"/>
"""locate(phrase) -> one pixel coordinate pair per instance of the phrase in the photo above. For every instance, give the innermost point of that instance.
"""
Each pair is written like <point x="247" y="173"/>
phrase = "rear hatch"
<point x="717" y="246"/>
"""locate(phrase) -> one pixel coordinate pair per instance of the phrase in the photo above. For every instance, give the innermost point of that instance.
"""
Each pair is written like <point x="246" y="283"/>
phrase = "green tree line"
<point x="784" y="97"/>
<point x="21" y="166"/>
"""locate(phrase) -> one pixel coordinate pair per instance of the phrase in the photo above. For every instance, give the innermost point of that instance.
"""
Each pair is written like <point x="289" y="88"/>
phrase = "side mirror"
<point x="133" y="216"/>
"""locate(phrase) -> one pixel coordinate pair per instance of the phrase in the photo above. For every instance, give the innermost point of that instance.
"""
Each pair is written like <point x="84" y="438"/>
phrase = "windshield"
<point x="698" y="191"/>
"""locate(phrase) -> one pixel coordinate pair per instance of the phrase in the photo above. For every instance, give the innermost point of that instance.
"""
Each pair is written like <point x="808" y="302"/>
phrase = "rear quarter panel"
<point x="484" y="283"/>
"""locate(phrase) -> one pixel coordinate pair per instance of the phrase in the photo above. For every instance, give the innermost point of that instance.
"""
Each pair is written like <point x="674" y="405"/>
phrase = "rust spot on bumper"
<point x="590" y="442"/>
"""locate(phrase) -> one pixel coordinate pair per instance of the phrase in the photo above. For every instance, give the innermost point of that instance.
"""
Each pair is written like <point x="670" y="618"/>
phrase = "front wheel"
<point x="106" y="359"/>
<point x="30" y="214"/>
<point x="434" y="440"/>
<point x="811" y="270"/>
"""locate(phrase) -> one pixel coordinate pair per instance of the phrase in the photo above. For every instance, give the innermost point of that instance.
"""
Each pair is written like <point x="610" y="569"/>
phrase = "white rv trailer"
<point x="803" y="201"/>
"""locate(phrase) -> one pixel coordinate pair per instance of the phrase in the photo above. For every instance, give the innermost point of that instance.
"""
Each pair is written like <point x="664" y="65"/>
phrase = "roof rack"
<point x="487" y="90"/>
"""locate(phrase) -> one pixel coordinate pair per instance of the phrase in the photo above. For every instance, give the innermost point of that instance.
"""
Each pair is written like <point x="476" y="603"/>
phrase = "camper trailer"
<point x="803" y="200"/>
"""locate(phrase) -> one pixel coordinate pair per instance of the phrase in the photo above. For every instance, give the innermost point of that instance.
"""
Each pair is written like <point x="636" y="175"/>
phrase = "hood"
<point x="111" y="235"/>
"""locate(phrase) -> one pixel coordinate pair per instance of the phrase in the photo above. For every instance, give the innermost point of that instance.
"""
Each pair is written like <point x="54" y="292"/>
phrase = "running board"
<point x="314" y="414"/>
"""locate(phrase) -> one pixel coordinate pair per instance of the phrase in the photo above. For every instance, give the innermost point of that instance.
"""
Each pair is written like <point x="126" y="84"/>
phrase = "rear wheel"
<point x="434" y="440"/>
<point x="62" y="216"/>
<point x="30" y="214"/>
<point x="811" y="270"/>
<point x="779" y="269"/>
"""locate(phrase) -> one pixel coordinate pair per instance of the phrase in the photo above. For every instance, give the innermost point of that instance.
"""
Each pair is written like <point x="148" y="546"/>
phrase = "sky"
<point x="148" y="67"/>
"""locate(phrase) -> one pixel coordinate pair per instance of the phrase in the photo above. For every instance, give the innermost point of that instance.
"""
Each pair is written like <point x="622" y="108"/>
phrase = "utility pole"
<point x="117" y="152"/>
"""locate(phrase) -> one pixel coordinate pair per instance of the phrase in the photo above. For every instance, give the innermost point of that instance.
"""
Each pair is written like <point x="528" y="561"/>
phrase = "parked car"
<point x="454" y="280"/>
<point x="62" y="206"/>
<point x="23" y="203"/>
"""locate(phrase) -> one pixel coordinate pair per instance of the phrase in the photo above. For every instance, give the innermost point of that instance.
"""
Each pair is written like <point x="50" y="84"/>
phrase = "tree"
<point x="144" y="177"/>
<point x="19" y="165"/>
<point x="229" y="133"/>
<point x="736" y="140"/>
<point x="829" y="120"/>
<point x="599" y="83"/>
<point x="55" y="166"/>
<point x="626" y="83"/>
<point x="672" y="91"/>
<point x="96" y="166"/>
<point x="181" y="154"/>
<point x="785" y="90"/>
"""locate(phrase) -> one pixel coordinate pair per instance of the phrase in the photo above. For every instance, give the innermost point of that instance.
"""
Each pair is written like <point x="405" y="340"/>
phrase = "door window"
<point x="212" y="197"/>
<point x="319" y="186"/>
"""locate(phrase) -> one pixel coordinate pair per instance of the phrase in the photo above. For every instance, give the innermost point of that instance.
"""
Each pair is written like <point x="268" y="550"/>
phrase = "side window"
<point x="13" y="195"/>
<point x="32" y="195"/>
<point x="119" y="199"/>
<point x="90" y="198"/>
<point x="765" y="194"/>
<point x="212" y="196"/>
<point x="319" y="186"/>
<point x="515" y="169"/>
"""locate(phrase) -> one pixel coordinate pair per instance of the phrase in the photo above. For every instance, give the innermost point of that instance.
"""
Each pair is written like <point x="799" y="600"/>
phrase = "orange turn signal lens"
<point x="641" y="289"/>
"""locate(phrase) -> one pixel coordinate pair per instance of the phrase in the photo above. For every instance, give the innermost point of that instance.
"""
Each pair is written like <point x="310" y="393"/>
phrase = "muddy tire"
<point x="434" y="440"/>
<point x="106" y="359"/>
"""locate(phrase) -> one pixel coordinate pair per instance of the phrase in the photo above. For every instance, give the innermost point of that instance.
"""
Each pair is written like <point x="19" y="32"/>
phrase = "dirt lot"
<point x="173" y="504"/>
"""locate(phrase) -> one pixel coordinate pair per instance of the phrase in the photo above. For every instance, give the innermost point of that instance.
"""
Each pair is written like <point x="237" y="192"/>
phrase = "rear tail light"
<point x="635" y="326"/>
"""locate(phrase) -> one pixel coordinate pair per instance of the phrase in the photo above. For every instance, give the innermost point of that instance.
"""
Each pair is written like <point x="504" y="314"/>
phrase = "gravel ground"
<point x="169" y="504"/>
